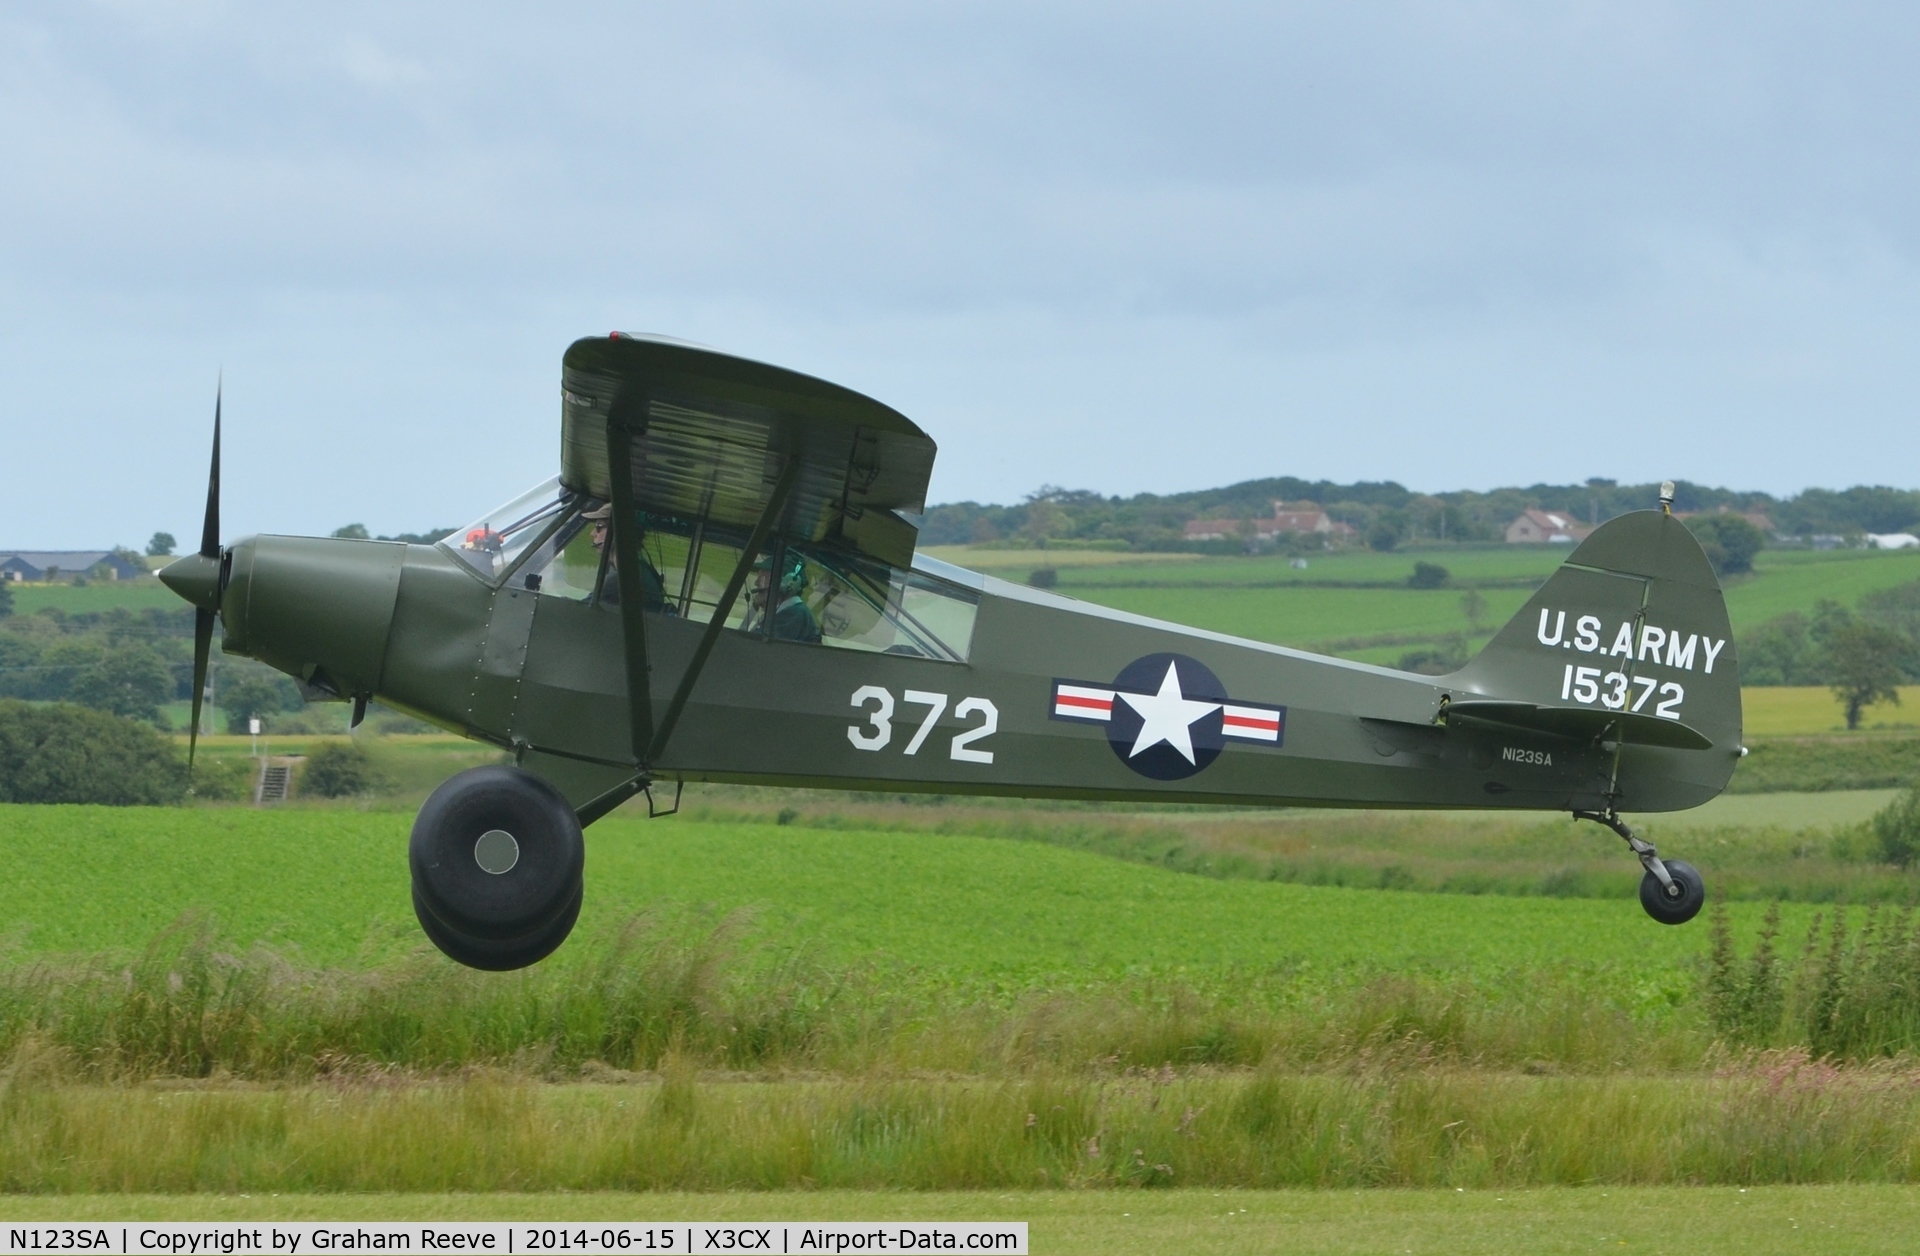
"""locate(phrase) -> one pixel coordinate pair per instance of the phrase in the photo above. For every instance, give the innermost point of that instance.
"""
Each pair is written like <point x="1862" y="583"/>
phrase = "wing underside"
<point x="712" y="435"/>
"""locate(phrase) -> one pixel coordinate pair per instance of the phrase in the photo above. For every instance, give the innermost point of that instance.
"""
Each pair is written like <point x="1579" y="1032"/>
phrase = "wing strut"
<point x="781" y="490"/>
<point x="626" y="562"/>
<point x="648" y="742"/>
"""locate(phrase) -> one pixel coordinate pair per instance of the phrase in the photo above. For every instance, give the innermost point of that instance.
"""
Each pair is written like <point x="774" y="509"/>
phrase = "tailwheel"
<point x="1679" y="899"/>
<point x="1672" y="890"/>
<point x="497" y="859"/>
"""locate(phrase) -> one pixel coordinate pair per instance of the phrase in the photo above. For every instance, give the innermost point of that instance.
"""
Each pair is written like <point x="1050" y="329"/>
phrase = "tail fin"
<point x="1629" y="642"/>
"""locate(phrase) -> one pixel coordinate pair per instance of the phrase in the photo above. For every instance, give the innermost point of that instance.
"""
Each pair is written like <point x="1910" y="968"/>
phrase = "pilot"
<point x="793" y="619"/>
<point x="653" y="588"/>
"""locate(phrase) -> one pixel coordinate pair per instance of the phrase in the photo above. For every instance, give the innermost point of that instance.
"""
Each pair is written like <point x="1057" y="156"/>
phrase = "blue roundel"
<point x="1167" y="716"/>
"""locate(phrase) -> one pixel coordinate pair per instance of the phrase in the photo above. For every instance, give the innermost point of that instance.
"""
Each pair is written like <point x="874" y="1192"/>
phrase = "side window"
<point x="887" y="611"/>
<point x="492" y="544"/>
<point x="794" y="593"/>
<point x="565" y="565"/>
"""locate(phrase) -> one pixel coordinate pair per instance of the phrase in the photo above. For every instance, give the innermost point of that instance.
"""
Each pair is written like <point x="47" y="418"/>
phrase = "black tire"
<point x="498" y="957"/>
<point x="1674" y="909"/>
<point x="548" y="855"/>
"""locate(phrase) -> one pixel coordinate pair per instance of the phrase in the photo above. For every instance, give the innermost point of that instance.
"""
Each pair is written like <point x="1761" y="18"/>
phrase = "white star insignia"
<point x="1167" y="716"/>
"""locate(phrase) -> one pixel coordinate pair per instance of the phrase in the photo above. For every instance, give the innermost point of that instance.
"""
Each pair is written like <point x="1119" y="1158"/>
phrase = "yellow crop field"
<point x="1804" y="709"/>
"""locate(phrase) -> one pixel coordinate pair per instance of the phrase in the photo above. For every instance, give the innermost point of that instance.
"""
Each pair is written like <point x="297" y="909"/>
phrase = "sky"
<point x="1118" y="247"/>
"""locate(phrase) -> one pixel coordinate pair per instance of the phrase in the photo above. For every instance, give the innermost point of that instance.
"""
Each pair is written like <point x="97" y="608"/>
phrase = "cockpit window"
<point x="813" y="595"/>
<point x="492" y="544"/>
<point x="557" y="543"/>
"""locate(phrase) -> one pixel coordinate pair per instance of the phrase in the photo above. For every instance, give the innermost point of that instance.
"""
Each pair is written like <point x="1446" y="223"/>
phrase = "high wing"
<point x="710" y="436"/>
<point x="664" y="429"/>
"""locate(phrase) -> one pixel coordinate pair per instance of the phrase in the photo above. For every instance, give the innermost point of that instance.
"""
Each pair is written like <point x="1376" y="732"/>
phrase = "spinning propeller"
<point x="197" y="578"/>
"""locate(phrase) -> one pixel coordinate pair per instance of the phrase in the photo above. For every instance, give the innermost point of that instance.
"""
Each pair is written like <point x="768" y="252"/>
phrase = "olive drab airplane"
<point x="721" y="584"/>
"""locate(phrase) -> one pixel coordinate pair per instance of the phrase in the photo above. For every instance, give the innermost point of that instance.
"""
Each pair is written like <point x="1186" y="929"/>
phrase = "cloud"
<point x="1455" y="245"/>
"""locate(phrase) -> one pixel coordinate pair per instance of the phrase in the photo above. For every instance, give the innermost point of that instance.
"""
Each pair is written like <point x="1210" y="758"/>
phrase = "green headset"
<point x="793" y="572"/>
<point x="794" y="576"/>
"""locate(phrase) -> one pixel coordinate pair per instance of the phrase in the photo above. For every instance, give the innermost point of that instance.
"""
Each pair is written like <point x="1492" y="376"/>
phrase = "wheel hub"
<point x="496" y="852"/>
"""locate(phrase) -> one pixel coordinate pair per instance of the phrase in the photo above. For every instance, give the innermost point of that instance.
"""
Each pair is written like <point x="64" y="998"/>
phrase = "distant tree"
<point x="1782" y="651"/>
<point x="1428" y="576"/>
<point x="340" y="769"/>
<point x="1896" y="830"/>
<point x="1730" y="541"/>
<point x="161" y="546"/>
<point x="1898" y="610"/>
<point x="1046" y="518"/>
<point x="129" y="679"/>
<point x="353" y="532"/>
<point x="253" y="693"/>
<point x="6" y="598"/>
<point x="1386" y="533"/>
<point x="1864" y="663"/>
<point x="65" y="754"/>
<point x="1473" y="606"/>
<point x="1044" y="578"/>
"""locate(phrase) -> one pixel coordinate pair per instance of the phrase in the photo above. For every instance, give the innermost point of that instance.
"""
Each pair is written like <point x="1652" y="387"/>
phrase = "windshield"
<point x="495" y="541"/>
<point x="809" y="594"/>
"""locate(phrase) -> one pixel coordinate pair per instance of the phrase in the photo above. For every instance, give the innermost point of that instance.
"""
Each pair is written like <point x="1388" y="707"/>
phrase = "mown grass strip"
<point x="1753" y="1221"/>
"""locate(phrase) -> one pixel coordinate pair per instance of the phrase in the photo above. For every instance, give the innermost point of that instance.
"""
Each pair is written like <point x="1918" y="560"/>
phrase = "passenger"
<point x="653" y="589"/>
<point x="793" y="619"/>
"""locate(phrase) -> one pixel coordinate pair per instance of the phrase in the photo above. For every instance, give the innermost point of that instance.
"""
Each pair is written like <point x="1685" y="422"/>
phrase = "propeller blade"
<point x="203" y="616"/>
<point x="202" y="646"/>
<point x="210" y="530"/>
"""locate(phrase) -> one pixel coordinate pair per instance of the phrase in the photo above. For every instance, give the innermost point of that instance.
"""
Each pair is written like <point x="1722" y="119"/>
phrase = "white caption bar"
<point x="226" y="1238"/>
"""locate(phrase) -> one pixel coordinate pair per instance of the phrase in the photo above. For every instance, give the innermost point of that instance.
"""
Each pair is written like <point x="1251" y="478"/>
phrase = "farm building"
<point x="1546" y="527"/>
<point x="65" y="564"/>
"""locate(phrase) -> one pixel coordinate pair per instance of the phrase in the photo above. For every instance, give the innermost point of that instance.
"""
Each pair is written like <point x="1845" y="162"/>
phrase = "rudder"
<point x="1628" y="641"/>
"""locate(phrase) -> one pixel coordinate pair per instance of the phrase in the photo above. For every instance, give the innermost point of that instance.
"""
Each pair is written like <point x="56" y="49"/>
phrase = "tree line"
<point x="130" y="663"/>
<point x="1388" y="513"/>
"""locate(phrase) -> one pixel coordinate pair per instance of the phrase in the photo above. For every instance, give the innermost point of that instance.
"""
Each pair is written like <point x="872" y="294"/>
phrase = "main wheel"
<point x="497" y="857"/>
<point x="1683" y="903"/>
<point x="498" y="957"/>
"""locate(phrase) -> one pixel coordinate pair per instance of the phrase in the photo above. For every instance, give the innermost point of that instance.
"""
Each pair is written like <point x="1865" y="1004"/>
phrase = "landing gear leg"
<point x="1671" y="891"/>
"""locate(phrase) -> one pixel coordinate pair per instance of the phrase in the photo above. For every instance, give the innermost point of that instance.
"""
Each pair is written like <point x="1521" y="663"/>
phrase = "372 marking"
<point x="877" y="704"/>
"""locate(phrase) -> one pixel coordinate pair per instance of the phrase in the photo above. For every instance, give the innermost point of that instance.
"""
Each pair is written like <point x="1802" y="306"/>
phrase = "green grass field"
<point x="897" y="1009"/>
<point x="331" y="884"/>
<point x="99" y="595"/>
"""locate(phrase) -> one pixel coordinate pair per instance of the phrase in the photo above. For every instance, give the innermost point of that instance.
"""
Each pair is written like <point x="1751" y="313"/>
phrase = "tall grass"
<point x="702" y="991"/>
<point x="686" y="1055"/>
<point x="1773" y="1118"/>
<point x="1852" y="992"/>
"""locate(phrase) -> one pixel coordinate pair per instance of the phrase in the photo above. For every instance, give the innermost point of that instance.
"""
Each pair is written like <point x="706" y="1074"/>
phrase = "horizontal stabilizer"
<point x="1583" y="723"/>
